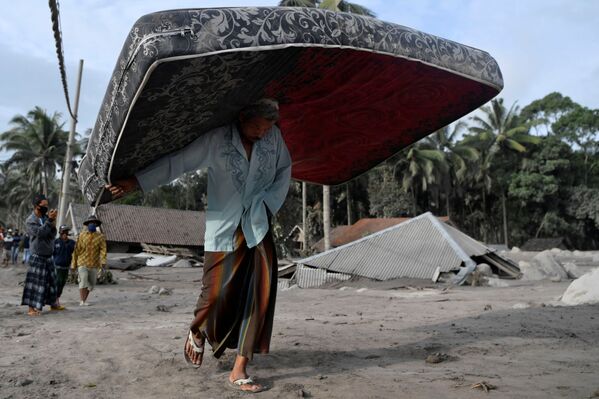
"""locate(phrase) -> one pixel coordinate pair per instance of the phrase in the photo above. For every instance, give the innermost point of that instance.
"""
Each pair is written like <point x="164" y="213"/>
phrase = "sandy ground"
<point x="330" y="343"/>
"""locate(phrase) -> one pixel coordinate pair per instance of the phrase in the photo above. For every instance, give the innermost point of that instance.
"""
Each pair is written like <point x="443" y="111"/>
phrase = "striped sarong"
<point x="40" y="283"/>
<point x="237" y="304"/>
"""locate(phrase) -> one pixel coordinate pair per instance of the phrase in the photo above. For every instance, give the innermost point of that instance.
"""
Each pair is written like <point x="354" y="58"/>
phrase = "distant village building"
<point x="126" y="227"/>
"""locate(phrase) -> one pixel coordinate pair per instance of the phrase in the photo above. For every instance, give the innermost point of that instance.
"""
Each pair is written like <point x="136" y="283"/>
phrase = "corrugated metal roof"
<point x="308" y="277"/>
<point x="467" y="243"/>
<point x="342" y="235"/>
<point x="414" y="248"/>
<point x="139" y="224"/>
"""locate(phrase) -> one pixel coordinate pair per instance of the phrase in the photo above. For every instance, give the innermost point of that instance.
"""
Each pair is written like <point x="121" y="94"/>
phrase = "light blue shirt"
<point x="238" y="190"/>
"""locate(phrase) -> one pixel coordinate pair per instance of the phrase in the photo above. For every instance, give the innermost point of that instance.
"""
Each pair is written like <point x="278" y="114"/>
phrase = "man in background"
<point x="7" y="246"/>
<point x="16" y="242"/>
<point x="63" y="253"/>
<point x="40" y="283"/>
<point x="88" y="257"/>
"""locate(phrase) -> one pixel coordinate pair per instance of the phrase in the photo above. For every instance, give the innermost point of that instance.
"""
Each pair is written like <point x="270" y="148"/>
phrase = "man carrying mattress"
<point x="249" y="170"/>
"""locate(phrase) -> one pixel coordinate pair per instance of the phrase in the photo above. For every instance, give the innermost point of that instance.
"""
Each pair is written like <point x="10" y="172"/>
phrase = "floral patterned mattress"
<point x="353" y="90"/>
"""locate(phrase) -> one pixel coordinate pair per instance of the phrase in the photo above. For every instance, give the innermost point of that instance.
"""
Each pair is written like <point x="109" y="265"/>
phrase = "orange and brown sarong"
<point x="237" y="304"/>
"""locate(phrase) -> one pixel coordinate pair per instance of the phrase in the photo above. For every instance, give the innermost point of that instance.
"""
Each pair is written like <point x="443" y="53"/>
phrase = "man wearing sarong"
<point x="40" y="283"/>
<point x="249" y="170"/>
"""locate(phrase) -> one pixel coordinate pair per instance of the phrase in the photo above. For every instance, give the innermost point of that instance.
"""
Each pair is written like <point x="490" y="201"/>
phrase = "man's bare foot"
<point x="34" y="312"/>
<point x="194" y="349"/>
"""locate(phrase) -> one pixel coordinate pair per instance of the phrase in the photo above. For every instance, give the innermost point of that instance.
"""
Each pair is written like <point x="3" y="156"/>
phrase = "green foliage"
<point x="387" y="198"/>
<point x="584" y="204"/>
<point x="532" y="187"/>
<point x="542" y="113"/>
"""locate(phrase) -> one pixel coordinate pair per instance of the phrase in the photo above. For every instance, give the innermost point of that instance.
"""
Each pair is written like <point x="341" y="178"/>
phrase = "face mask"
<point x="91" y="227"/>
<point x="43" y="210"/>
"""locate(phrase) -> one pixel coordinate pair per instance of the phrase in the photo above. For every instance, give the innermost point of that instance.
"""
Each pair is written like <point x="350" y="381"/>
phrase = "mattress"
<point x="353" y="90"/>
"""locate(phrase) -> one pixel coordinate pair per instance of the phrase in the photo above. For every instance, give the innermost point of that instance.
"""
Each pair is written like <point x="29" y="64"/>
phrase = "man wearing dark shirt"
<point x="40" y="283"/>
<point x="63" y="252"/>
<point x="16" y="241"/>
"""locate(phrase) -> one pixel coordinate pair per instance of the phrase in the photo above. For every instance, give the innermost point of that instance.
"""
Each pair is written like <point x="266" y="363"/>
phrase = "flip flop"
<point x="57" y="307"/>
<point x="237" y="384"/>
<point x="196" y="349"/>
<point x="34" y="313"/>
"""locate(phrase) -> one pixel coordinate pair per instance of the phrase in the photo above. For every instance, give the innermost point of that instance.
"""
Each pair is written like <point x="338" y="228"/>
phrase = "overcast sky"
<point x="540" y="45"/>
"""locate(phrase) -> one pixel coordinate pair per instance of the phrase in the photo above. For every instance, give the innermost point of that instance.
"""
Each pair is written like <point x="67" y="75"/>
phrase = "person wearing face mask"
<point x="88" y="257"/>
<point x="40" y="283"/>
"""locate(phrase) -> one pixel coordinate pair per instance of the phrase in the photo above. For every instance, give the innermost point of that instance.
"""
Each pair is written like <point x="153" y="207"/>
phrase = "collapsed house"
<point x="342" y="235"/>
<point x="129" y="228"/>
<point x="421" y="248"/>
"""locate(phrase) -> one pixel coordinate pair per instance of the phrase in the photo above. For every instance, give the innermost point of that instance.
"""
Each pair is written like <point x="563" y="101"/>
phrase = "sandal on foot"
<point x="237" y="385"/>
<point x="196" y="348"/>
<point x="34" y="312"/>
<point x="57" y="307"/>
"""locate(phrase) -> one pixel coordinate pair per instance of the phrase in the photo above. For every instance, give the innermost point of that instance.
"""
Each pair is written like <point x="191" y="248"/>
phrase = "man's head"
<point x="92" y="222"/>
<point x="64" y="232"/>
<point x="40" y="204"/>
<point x="258" y="118"/>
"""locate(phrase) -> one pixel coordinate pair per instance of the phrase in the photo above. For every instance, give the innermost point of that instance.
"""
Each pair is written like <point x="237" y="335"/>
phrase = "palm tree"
<point x="39" y="143"/>
<point x="17" y="197"/>
<point x="497" y="131"/>
<point x="423" y="167"/>
<point x="458" y="155"/>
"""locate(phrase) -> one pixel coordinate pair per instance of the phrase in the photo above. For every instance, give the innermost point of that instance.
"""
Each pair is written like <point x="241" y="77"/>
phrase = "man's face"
<point x="64" y="235"/>
<point x="42" y="203"/>
<point x="255" y="128"/>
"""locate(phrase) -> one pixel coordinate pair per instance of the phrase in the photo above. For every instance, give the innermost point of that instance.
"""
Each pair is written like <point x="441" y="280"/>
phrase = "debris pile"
<point x="583" y="290"/>
<point x="556" y="265"/>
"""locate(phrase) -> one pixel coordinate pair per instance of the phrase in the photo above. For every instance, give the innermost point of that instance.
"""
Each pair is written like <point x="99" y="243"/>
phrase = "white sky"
<point x="540" y="45"/>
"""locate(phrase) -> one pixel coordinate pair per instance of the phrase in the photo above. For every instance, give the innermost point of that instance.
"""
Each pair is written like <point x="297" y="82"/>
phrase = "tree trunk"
<point x="304" y="211"/>
<point x="348" y="199"/>
<point x="326" y="216"/>
<point x="505" y="235"/>
<point x="44" y="179"/>
<point x="413" y="201"/>
<point x="447" y="205"/>
<point x="586" y="172"/>
<point x="484" y="227"/>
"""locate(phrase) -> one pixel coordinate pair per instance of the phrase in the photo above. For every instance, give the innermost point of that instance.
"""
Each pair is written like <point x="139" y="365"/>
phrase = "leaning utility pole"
<point x="66" y="170"/>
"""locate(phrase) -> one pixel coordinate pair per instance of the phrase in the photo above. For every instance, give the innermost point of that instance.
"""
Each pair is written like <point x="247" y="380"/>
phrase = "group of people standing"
<point x="12" y="244"/>
<point x="52" y="257"/>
